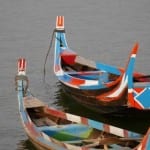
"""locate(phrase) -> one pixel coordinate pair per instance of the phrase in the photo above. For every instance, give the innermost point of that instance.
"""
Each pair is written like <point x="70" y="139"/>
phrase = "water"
<point x="102" y="30"/>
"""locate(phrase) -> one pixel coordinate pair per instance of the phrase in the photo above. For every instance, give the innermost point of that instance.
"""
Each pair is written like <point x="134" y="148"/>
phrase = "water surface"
<point x="103" y="30"/>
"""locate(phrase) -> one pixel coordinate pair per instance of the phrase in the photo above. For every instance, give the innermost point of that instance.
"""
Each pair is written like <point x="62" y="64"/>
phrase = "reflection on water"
<point x="25" y="145"/>
<point x="71" y="106"/>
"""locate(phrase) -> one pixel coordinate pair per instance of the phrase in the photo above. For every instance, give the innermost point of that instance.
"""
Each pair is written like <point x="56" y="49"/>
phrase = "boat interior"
<point x="71" y="132"/>
<point x="81" y="67"/>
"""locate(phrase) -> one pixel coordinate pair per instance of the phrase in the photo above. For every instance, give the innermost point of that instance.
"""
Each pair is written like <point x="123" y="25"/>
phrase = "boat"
<point x="114" y="100"/>
<point x="51" y="129"/>
<point x="85" y="80"/>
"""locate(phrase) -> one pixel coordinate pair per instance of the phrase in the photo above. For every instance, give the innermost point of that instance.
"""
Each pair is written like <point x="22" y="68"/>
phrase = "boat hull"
<point x="38" y="145"/>
<point x="88" y="99"/>
<point x="95" y="85"/>
<point x="115" y="108"/>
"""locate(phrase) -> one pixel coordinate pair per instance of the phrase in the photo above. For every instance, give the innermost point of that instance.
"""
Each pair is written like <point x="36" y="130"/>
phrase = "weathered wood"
<point x="44" y="122"/>
<point x="33" y="102"/>
<point x="108" y="141"/>
<point x="82" y="60"/>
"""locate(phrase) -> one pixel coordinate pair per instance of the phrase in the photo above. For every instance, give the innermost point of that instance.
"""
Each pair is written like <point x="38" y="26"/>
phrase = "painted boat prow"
<point x="60" y="23"/>
<point x="121" y="88"/>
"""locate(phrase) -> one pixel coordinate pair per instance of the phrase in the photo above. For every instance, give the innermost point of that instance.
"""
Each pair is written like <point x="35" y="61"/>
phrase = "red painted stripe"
<point x="21" y="64"/>
<point x="84" y="120"/>
<point x="75" y="81"/>
<point x="133" y="51"/>
<point x="125" y="132"/>
<point x="135" y="48"/>
<point x="56" y="113"/>
<point x="106" y="128"/>
<point x="138" y="90"/>
<point x="32" y="130"/>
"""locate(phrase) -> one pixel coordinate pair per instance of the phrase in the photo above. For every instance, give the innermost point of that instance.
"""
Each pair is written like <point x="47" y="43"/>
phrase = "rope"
<point x="50" y="46"/>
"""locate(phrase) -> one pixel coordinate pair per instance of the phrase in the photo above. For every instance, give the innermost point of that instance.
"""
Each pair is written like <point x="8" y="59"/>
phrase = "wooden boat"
<point x="51" y="129"/>
<point x="85" y="80"/>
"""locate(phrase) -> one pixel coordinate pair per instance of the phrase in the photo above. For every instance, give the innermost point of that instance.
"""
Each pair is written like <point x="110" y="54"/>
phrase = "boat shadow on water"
<point x="129" y="119"/>
<point x="25" y="145"/>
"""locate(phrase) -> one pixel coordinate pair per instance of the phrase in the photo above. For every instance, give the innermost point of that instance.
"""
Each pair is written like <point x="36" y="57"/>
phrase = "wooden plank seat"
<point x="90" y="75"/>
<point x="85" y="72"/>
<point x="42" y="122"/>
<point x="32" y="102"/>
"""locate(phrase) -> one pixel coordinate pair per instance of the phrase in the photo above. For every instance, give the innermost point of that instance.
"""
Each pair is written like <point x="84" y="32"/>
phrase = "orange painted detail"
<point x="138" y="90"/>
<point x="60" y="22"/>
<point x="132" y="102"/>
<point x="55" y="113"/>
<point x="135" y="48"/>
<point x="116" y="82"/>
<point x="84" y="120"/>
<point x="106" y="98"/>
<point x="75" y="81"/>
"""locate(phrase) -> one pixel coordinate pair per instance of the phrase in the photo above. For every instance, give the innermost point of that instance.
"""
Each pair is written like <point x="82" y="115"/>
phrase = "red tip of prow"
<point x="135" y="48"/>
<point x="22" y="65"/>
<point x="60" y="22"/>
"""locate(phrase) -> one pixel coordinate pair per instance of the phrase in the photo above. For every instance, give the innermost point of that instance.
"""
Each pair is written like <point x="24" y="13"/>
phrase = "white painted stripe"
<point x="59" y="73"/>
<point x="60" y="22"/>
<point x="90" y="82"/>
<point x="21" y="73"/>
<point x="117" y="131"/>
<point x="73" y="118"/>
<point x="135" y="98"/>
<point x="133" y="55"/>
<point x="29" y="119"/>
<point x="130" y="90"/>
<point x="121" y="87"/>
